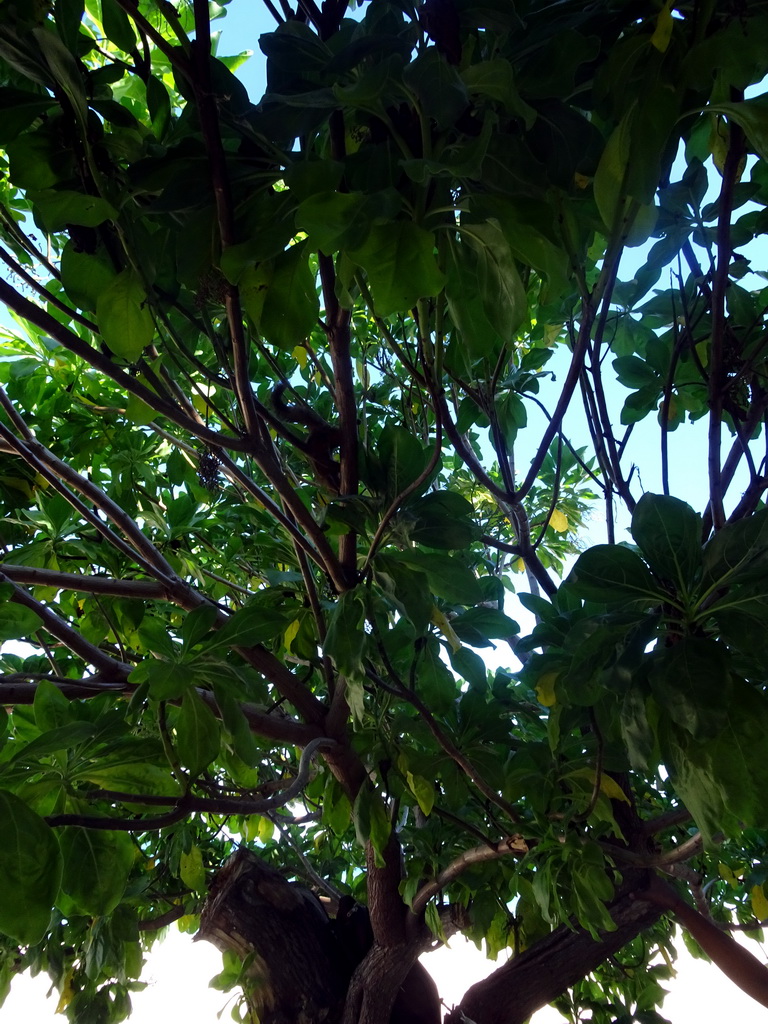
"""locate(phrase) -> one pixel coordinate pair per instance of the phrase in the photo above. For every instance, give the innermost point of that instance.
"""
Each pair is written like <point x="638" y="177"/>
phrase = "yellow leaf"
<point x="199" y="403"/>
<point x="727" y="875"/>
<point x="266" y="828"/>
<point x="663" y="31"/>
<point x="608" y="786"/>
<point x="518" y="566"/>
<point x="67" y="992"/>
<point x="191" y="869"/>
<point x="290" y="634"/>
<point x="581" y="180"/>
<point x="759" y="903"/>
<point x="545" y="689"/>
<point x="300" y="355"/>
<point x="558" y="521"/>
<point x="442" y="623"/>
<point x="612" y="789"/>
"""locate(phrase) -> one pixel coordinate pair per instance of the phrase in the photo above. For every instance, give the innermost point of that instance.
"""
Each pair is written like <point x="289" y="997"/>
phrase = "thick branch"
<point x="142" y="590"/>
<point x="532" y="980"/>
<point x="110" y="668"/>
<point x="737" y="963"/>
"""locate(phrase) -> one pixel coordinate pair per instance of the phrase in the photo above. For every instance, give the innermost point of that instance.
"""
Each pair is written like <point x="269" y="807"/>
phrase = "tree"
<point x="281" y="431"/>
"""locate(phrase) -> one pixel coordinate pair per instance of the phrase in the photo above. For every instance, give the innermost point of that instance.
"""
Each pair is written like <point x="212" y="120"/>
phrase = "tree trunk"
<point x="293" y="973"/>
<point x="301" y="968"/>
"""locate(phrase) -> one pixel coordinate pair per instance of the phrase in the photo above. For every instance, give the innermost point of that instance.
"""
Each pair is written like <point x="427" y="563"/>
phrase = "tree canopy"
<point x="306" y="399"/>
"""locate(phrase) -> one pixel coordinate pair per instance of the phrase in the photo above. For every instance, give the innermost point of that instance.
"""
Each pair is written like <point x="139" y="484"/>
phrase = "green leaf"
<point x="466" y="307"/>
<point x="668" y="532"/>
<point x="124" y="319"/>
<point x="633" y="372"/>
<point x="437" y="86"/>
<point x="57" y="208"/>
<point x="96" y="868"/>
<point x="52" y="709"/>
<point x="64" y="69"/>
<point x="168" y="680"/>
<point x="692" y="683"/>
<point x="408" y="588"/>
<point x="402" y="457"/>
<point x="30" y="871"/>
<point x="18" y="109"/>
<point x="158" y="106"/>
<point x="197" y="624"/>
<point x="117" y="26"/>
<point x="372" y="822"/>
<point x="739" y="551"/>
<point x="38" y="159"/>
<point x="399" y="260"/>
<point x="448" y="576"/>
<point x="423" y="790"/>
<point x="132" y="778"/>
<point x="198" y="734"/>
<point x="723" y="781"/>
<point x="611" y="574"/>
<point x="444" y="519"/>
<point x="63" y="737"/>
<point x="345" y="638"/>
<point x="501" y="289"/>
<point x="17" y="621"/>
<point x="435" y="683"/>
<point x="636" y="731"/>
<point x="337" y="810"/>
<point x="609" y="183"/>
<point x="496" y="79"/>
<point x="236" y="724"/>
<point x="337" y="220"/>
<point x="511" y="416"/>
<point x="471" y="667"/>
<point x="85" y="276"/>
<point x="487" y="622"/>
<point x="291" y="305"/>
<point x="752" y="116"/>
<point x="250" y="626"/>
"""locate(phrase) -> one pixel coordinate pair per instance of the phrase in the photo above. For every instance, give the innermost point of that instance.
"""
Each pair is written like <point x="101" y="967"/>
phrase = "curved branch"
<point x="187" y="804"/>
<point x="515" y="845"/>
